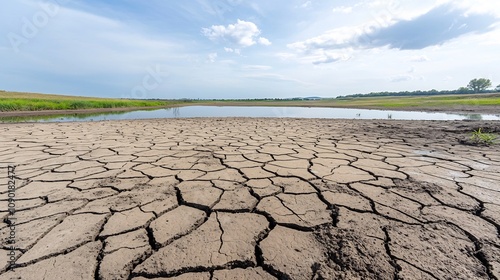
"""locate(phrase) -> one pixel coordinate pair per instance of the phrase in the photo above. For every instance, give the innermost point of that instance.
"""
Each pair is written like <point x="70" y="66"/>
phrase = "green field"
<point x="18" y="101"/>
<point x="387" y="102"/>
<point x="15" y="101"/>
<point x="425" y="101"/>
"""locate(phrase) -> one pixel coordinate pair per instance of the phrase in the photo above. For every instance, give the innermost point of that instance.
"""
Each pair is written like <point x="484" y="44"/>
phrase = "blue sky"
<point x="246" y="49"/>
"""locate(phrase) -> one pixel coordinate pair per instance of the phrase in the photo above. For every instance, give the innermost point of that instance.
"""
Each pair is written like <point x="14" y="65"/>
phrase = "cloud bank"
<point x="436" y="27"/>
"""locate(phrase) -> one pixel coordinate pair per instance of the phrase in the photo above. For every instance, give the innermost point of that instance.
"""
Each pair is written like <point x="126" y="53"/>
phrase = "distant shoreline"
<point x="459" y="109"/>
<point x="15" y="104"/>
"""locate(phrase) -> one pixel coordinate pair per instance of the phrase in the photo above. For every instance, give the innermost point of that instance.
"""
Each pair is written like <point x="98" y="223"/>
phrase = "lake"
<point x="254" y="112"/>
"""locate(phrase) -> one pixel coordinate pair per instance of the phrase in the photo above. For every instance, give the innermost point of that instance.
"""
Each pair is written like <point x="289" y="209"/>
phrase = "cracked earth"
<point x="251" y="199"/>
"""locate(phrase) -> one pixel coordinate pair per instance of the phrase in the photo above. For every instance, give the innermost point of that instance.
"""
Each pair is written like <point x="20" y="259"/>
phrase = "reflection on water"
<point x="256" y="112"/>
<point x="176" y="112"/>
<point x="73" y="117"/>
<point x="476" y="117"/>
<point x="60" y="117"/>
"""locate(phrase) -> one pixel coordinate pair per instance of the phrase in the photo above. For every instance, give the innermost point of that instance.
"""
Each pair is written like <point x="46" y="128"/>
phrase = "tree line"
<point x="480" y="85"/>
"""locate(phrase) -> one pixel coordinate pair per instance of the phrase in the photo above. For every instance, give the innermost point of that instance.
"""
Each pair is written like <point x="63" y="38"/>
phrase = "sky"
<point x="246" y="49"/>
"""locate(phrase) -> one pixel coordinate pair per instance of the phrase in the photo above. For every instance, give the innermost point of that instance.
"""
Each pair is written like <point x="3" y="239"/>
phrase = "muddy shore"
<point x="250" y="198"/>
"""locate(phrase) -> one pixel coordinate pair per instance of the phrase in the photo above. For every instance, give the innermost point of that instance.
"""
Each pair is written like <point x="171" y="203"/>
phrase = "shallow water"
<point x="255" y="112"/>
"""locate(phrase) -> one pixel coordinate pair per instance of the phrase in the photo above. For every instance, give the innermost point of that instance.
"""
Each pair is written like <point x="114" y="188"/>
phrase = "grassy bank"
<point x="410" y="102"/>
<point x="425" y="101"/>
<point x="17" y="101"/>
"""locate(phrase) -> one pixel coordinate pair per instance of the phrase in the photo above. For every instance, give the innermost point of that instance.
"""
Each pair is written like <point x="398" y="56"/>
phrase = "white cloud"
<point x="306" y="4"/>
<point x="419" y="58"/>
<point x="257" y="67"/>
<point x="276" y="78"/>
<point x="343" y="10"/>
<point x="319" y="50"/>
<point x="330" y="58"/>
<point x="231" y="50"/>
<point x="68" y="37"/>
<point x="410" y="75"/>
<point x="242" y="33"/>
<point x="388" y="31"/>
<point x="212" y="57"/>
<point x="337" y="38"/>
<point x="405" y="78"/>
<point x="480" y="6"/>
<point x="401" y="78"/>
<point x="264" y="41"/>
<point x="315" y="55"/>
<point x="286" y="56"/>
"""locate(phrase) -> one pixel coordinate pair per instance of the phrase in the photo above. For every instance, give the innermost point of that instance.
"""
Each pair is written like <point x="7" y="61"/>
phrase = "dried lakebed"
<point x="251" y="199"/>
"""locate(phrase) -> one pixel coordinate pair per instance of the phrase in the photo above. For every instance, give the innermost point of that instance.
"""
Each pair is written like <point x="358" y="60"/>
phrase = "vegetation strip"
<point x="32" y="102"/>
<point x="13" y="101"/>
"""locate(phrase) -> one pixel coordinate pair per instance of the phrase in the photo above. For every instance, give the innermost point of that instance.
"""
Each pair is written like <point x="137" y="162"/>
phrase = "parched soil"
<point x="244" y="198"/>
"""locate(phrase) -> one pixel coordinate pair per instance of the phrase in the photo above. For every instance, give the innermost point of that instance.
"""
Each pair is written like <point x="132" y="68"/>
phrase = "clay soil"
<point x="244" y="198"/>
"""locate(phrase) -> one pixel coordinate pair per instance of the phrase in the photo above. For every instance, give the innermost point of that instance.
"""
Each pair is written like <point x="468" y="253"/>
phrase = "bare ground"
<point x="244" y="198"/>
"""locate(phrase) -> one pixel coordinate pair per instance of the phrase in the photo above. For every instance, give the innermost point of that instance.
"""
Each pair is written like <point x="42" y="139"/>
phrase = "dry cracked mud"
<point x="249" y="198"/>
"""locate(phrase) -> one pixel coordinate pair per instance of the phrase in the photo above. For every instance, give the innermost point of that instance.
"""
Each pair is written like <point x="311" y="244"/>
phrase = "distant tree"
<point x="478" y="85"/>
<point x="463" y="90"/>
<point x="498" y="88"/>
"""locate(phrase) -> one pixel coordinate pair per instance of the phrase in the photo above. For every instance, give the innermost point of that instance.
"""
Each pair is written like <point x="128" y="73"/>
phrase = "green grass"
<point x="389" y="102"/>
<point x="14" y="101"/>
<point x="483" y="138"/>
<point x="425" y="101"/>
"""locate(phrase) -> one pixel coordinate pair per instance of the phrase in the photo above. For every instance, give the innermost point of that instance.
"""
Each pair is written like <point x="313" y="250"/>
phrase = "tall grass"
<point x="39" y="105"/>
<point x="15" y="101"/>
<point x="37" y="102"/>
